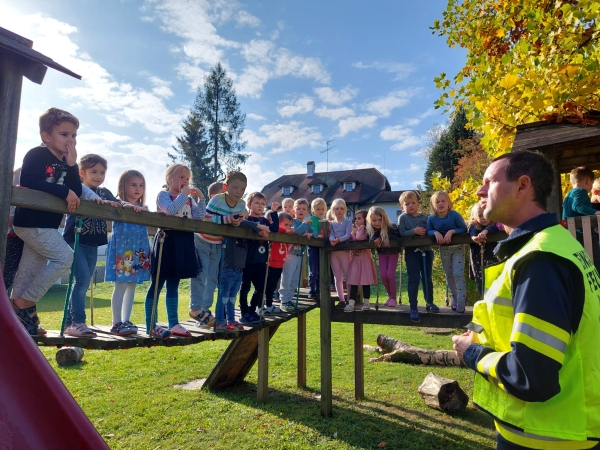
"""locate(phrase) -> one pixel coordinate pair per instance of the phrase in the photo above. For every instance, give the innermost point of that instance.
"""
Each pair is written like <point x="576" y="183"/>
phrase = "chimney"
<point x="310" y="169"/>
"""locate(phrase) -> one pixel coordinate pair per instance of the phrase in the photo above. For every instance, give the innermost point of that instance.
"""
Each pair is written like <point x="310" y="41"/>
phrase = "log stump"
<point x="397" y="351"/>
<point x="67" y="356"/>
<point x="443" y="394"/>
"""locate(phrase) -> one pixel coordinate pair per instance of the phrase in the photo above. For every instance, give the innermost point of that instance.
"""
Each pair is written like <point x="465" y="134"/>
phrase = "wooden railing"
<point x="585" y="224"/>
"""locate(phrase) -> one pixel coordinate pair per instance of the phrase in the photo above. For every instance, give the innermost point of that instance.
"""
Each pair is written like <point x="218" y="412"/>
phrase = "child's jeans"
<point x="229" y="286"/>
<point x="419" y="273"/>
<point x="202" y="287"/>
<point x="87" y="255"/>
<point x="313" y="266"/>
<point x="34" y="276"/>
<point x="453" y="262"/>
<point x="292" y="267"/>
<point x="340" y="261"/>
<point x="387" y="270"/>
<point x="172" y="300"/>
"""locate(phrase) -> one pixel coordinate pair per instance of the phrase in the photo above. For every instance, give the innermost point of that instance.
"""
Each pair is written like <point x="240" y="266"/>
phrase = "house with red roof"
<point x="360" y="189"/>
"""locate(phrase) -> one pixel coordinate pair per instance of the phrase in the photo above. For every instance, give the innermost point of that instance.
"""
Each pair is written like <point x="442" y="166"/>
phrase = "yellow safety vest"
<point x="571" y="417"/>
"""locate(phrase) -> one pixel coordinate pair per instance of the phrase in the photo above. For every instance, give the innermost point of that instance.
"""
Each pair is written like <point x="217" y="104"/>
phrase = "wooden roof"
<point x="36" y="62"/>
<point x="574" y="144"/>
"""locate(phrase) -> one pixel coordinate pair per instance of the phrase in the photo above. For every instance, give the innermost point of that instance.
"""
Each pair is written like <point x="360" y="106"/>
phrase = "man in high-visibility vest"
<point x="534" y="342"/>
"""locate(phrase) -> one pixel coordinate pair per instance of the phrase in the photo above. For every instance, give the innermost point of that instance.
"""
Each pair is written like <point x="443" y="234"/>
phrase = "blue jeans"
<point x="313" y="267"/>
<point x="202" y="288"/>
<point x="87" y="255"/>
<point x="229" y="286"/>
<point x="416" y="274"/>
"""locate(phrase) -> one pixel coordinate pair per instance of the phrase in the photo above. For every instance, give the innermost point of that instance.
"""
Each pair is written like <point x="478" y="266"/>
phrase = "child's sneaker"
<point x="276" y="297"/>
<point x="390" y="302"/>
<point x="340" y="305"/>
<point x="269" y="310"/>
<point x="287" y="307"/>
<point x="310" y="295"/>
<point x="248" y="318"/>
<point x="131" y="327"/>
<point x="431" y="308"/>
<point x="159" y="332"/>
<point x="350" y="306"/>
<point x="204" y="318"/>
<point x="120" y="329"/>
<point x="80" y="330"/>
<point x="179" y="330"/>
<point x="366" y="306"/>
<point x="236" y="326"/>
<point x="224" y="327"/>
<point x="414" y="315"/>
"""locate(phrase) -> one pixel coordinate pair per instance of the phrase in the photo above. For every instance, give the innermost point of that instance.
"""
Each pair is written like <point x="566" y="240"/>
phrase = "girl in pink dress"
<point x="361" y="271"/>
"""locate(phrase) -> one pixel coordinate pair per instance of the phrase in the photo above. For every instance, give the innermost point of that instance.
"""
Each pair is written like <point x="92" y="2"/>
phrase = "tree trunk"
<point x="397" y="351"/>
<point x="443" y="394"/>
<point x="67" y="356"/>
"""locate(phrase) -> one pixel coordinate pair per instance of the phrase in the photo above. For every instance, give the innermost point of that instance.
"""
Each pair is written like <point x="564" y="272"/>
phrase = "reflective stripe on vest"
<point x="574" y="413"/>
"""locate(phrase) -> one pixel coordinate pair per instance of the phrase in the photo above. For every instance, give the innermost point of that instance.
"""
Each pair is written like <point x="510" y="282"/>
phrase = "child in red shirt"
<point x="276" y="259"/>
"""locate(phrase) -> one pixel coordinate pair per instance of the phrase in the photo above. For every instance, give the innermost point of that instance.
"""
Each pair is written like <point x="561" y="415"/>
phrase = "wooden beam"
<point x="11" y="82"/>
<point x="302" y="351"/>
<point x="263" y="366"/>
<point x="325" y="321"/>
<point x="400" y="317"/>
<point x="46" y="202"/>
<point x="359" y="362"/>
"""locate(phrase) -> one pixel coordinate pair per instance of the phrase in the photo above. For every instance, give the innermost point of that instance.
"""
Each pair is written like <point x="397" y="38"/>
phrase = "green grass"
<point x="129" y="396"/>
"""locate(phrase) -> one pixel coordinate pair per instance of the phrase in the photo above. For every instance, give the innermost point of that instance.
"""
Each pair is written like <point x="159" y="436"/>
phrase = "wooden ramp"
<point x="108" y="341"/>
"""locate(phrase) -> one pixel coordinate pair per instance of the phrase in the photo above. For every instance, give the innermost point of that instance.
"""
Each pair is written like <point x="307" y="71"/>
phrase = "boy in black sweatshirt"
<point x="51" y="167"/>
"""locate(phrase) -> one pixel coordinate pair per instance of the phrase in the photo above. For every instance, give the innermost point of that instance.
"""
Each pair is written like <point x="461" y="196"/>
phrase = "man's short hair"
<point x="235" y="175"/>
<point x="214" y="188"/>
<point x="54" y="117"/>
<point x="254" y="195"/>
<point x="406" y="195"/>
<point x="581" y="174"/>
<point x="285" y="216"/>
<point x="534" y="165"/>
<point x="301" y="201"/>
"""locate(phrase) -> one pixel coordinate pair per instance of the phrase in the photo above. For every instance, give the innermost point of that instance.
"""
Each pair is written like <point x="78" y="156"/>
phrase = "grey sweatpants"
<point x="453" y="262"/>
<point x="35" y="275"/>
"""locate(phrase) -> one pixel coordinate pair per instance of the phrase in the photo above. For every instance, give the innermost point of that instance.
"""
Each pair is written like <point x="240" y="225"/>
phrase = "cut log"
<point x="398" y="351"/>
<point x="443" y="394"/>
<point x="67" y="356"/>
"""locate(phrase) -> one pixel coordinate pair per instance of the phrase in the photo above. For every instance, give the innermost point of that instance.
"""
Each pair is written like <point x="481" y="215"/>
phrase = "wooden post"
<point x="11" y="82"/>
<point x="302" y="351"/>
<point x="359" y="362"/>
<point x="263" y="365"/>
<point x="325" y="304"/>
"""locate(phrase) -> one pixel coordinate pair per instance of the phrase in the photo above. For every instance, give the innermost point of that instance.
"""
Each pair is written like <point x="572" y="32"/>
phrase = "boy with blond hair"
<point x="577" y="203"/>
<point x="52" y="168"/>
<point x="318" y="209"/>
<point x="288" y="206"/>
<point x="413" y="223"/>
<point x="292" y="266"/>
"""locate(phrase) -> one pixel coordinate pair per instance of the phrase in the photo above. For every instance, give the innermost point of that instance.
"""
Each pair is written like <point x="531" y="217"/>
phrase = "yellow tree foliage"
<point x="463" y="197"/>
<point x="526" y="60"/>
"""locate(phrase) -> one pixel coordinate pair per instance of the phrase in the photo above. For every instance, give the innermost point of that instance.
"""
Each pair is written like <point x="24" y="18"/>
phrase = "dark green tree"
<point x="444" y="154"/>
<point x="212" y="141"/>
<point x="192" y="149"/>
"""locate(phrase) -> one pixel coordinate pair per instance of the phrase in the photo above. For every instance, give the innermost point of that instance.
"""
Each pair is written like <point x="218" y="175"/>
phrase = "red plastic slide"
<point x="36" y="409"/>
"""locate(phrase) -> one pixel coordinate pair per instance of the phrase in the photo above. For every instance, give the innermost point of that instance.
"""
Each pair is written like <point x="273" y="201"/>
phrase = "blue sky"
<point x="358" y="72"/>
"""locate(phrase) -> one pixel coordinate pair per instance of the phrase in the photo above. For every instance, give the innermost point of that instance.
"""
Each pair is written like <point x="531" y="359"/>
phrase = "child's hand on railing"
<point x="307" y="235"/>
<point x="263" y="229"/>
<point x="448" y="237"/>
<point x="419" y="231"/>
<point x="438" y="237"/>
<point x="72" y="201"/>
<point x="335" y="241"/>
<point x="290" y="231"/>
<point x="377" y="242"/>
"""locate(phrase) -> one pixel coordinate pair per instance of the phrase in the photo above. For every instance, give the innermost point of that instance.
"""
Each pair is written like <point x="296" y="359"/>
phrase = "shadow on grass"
<point x="54" y="300"/>
<point x="367" y="423"/>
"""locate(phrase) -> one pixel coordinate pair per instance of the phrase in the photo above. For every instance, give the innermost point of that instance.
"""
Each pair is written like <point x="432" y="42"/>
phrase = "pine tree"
<point x="444" y="156"/>
<point x="212" y="141"/>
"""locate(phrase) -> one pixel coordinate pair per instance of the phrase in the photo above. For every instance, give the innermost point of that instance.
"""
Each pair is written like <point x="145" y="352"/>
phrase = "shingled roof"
<point x="371" y="186"/>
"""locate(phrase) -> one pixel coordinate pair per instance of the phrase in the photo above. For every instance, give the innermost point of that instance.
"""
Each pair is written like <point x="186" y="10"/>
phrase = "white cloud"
<point x="283" y="137"/>
<point x="255" y="116"/>
<point x="161" y="88"/>
<point x="244" y="18"/>
<point x="194" y="21"/>
<point x="400" y="70"/>
<point x="334" y="113"/>
<point x="332" y="97"/>
<point x="401" y="134"/>
<point x="301" y="105"/>
<point x="355" y="123"/>
<point x="383" y="106"/>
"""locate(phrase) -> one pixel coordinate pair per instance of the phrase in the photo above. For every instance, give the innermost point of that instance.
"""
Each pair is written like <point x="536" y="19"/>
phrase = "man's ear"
<point x="524" y="186"/>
